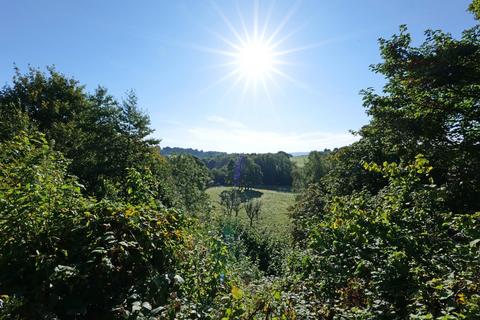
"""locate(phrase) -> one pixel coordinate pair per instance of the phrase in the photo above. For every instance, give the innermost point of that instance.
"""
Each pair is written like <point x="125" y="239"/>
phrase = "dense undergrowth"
<point x="96" y="224"/>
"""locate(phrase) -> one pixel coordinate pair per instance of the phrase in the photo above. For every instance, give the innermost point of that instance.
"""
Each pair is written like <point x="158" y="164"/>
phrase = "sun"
<point x="255" y="60"/>
<point x="255" y="53"/>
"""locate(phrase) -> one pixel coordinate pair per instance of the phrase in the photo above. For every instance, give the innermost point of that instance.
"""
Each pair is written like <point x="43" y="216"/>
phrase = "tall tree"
<point x="429" y="105"/>
<point x="102" y="136"/>
<point x="191" y="178"/>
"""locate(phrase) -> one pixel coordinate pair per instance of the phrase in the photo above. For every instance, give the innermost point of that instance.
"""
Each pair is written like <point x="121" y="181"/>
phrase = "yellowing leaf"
<point x="237" y="293"/>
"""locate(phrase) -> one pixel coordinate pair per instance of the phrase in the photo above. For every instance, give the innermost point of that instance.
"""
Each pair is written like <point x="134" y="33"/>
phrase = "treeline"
<point x="241" y="169"/>
<point x="200" y="154"/>
<point x="252" y="170"/>
<point x="276" y="170"/>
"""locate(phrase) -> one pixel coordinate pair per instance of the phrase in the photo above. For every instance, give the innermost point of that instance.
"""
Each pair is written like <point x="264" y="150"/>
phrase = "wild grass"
<point x="274" y="214"/>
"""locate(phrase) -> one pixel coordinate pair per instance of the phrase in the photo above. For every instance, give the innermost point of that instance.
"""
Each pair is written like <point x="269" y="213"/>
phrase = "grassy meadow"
<point x="299" y="160"/>
<point x="275" y="204"/>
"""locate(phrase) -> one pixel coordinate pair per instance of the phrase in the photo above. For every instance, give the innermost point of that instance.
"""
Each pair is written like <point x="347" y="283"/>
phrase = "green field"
<point x="299" y="160"/>
<point x="274" y="209"/>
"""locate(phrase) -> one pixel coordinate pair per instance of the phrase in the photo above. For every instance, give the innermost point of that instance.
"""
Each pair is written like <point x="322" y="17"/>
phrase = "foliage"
<point x="101" y="136"/>
<point x="244" y="173"/>
<point x="276" y="168"/>
<point x="429" y="105"/>
<point x="260" y="245"/>
<point x="231" y="201"/>
<point x="395" y="254"/>
<point x="63" y="255"/>
<point x="308" y="209"/>
<point x="251" y="170"/>
<point x="191" y="178"/>
<point x="400" y="240"/>
<point x="200" y="154"/>
<point x="253" y="209"/>
<point x="95" y="223"/>
<point x="474" y="7"/>
<point x="314" y="167"/>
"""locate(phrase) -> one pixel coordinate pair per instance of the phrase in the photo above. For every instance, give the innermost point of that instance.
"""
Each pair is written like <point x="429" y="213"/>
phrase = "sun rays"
<point x="255" y="54"/>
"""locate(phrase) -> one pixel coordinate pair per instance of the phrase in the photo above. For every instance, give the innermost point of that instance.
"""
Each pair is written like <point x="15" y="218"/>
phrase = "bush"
<point x="63" y="255"/>
<point x="261" y="247"/>
<point x="395" y="254"/>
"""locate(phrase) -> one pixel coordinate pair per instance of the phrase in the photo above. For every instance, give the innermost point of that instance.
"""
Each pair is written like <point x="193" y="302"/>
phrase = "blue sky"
<point x="167" y="51"/>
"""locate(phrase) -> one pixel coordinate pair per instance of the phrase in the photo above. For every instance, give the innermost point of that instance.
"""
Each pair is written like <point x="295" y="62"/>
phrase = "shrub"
<point x="395" y="254"/>
<point x="63" y="255"/>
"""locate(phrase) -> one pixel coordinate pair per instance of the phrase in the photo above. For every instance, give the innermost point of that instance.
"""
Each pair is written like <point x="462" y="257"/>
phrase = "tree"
<point x="243" y="172"/>
<point x="474" y="7"/>
<point x="251" y="173"/>
<point x="276" y="168"/>
<point x="431" y="105"/>
<point x="316" y="166"/>
<point x="253" y="209"/>
<point x="219" y="176"/>
<point x="391" y="230"/>
<point x="231" y="201"/>
<point x="101" y="136"/>
<point x="190" y="178"/>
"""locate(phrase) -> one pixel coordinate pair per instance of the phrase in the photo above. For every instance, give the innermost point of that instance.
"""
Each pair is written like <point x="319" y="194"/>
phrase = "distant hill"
<point x="167" y="151"/>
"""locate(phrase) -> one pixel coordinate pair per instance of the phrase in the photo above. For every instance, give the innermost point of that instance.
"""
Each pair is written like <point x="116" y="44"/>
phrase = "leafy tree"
<point x="430" y="106"/>
<point x="346" y="174"/>
<point x="244" y="172"/>
<point x="316" y="166"/>
<point x="190" y="178"/>
<point x="253" y="209"/>
<point x="474" y="7"/>
<point x="276" y="168"/>
<point x="250" y="173"/>
<point x="231" y="201"/>
<point x="219" y="176"/>
<point x="101" y="136"/>
<point x="398" y="239"/>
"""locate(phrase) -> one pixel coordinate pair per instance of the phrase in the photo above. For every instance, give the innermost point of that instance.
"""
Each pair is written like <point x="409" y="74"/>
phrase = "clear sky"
<point x="181" y="58"/>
